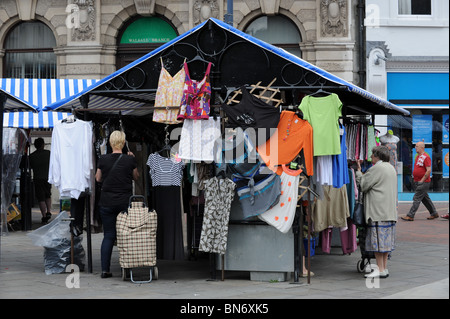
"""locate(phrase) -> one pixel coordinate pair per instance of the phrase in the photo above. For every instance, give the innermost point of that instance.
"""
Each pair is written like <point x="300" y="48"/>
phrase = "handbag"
<point x="258" y="197"/>
<point x="359" y="217"/>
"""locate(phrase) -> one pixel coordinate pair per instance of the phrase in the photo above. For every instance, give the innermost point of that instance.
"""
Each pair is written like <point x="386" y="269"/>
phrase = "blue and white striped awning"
<point x="27" y="97"/>
<point x="33" y="120"/>
<point x="36" y="94"/>
<point x="103" y="103"/>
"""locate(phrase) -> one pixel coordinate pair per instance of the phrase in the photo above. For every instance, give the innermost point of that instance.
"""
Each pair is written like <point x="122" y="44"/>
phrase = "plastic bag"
<point x="57" y="258"/>
<point x="56" y="240"/>
<point x="53" y="233"/>
<point x="13" y="144"/>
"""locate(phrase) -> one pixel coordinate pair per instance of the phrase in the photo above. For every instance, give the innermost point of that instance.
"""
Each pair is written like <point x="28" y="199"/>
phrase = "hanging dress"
<point x="282" y="214"/>
<point x="219" y="194"/>
<point x="198" y="139"/>
<point x="169" y="94"/>
<point x="166" y="177"/>
<point x="195" y="103"/>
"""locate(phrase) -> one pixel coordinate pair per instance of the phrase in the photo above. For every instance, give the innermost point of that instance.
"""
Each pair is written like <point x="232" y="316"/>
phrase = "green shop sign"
<point x="148" y="30"/>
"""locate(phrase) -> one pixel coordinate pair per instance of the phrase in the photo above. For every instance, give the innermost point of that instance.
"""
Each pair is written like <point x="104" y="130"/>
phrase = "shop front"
<point x="425" y="95"/>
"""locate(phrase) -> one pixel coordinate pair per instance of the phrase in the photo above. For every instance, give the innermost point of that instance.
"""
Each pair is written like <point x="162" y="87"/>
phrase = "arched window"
<point x="29" y="52"/>
<point x="140" y="36"/>
<point x="276" y="30"/>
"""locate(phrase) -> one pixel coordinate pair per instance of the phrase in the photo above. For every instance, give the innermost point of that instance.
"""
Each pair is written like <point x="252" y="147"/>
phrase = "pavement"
<point x="419" y="269"/>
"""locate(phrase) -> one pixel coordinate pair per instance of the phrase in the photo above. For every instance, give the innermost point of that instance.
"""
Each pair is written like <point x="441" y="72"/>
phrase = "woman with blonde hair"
<point x="116" y="172"/>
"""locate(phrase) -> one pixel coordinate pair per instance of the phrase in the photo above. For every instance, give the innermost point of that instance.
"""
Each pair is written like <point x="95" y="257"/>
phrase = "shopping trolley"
<point x="136" y="239"/>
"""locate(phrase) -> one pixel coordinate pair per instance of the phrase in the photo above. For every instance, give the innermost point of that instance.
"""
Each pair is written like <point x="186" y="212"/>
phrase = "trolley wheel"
<point x="155" y="273"/>
<point x="361" y="266"/>
<point x="125" y="274"/>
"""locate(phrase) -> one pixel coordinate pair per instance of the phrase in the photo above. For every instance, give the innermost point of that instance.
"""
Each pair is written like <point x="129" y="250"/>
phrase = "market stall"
<point x="35" y="94"/>
<point x="221" y="67"/>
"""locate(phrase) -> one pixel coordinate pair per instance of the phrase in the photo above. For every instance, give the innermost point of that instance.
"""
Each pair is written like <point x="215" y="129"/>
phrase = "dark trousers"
<point x="108" y="215"/>
<point x="421" y="196"/>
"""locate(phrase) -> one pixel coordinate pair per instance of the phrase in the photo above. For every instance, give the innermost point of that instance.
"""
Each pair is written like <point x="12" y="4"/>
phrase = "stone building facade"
<point x="87" y="32"/>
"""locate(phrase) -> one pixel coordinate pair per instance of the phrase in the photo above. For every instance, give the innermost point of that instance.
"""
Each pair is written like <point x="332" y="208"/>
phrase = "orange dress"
<point x="292" y="135"/>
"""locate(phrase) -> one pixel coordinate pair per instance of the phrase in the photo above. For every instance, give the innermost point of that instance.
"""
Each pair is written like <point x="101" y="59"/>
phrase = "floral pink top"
<point x="195" y="103"/>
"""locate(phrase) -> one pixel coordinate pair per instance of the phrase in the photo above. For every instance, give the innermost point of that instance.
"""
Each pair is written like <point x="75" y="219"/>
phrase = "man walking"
<point x="421" y="174"/>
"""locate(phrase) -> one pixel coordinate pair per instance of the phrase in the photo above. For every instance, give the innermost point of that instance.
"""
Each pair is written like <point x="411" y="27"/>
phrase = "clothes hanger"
<point x="122" y="128"/>
<point x="222" y="174"/>
<point x="199" y="58"/>
<point x="71" y="118"/>
<point x="321" y="91"/>
<point x="172" y="51"/>
<point x="165" y="151"/>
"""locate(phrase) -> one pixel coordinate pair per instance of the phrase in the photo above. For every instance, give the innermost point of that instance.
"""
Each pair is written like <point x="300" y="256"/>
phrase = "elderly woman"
<point x="116" y="171"/>
<point x="379" y="185"/>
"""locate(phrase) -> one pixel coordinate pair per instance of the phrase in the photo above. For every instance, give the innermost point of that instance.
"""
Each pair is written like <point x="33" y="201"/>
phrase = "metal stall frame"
<point x="131" y="90"/>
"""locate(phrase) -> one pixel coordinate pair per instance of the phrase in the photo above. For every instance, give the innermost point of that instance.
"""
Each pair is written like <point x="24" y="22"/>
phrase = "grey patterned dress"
<point x="219" y="194"/>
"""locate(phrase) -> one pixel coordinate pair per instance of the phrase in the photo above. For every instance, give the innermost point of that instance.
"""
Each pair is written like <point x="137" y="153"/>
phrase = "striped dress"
<point x="165" y="171"/>
<point x="166" y="175"/>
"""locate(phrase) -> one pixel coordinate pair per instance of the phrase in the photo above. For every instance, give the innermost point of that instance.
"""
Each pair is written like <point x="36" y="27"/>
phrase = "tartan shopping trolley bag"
<point x="136" y="239"/>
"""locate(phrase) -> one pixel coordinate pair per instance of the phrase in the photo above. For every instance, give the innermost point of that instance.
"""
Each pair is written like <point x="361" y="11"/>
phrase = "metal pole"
<point x="2" y="103"/>
<point x="229" y="15"/>
<point x="84" y="101"/>
<point x="308" y="218"/>
<point x="361" y="43"/>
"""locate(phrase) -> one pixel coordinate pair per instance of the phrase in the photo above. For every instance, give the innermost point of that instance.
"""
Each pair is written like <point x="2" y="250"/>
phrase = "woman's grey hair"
<point x="382" y="152"/>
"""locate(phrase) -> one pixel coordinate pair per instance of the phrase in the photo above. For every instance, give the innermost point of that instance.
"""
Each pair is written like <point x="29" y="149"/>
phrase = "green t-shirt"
<point x="323" y="114"/>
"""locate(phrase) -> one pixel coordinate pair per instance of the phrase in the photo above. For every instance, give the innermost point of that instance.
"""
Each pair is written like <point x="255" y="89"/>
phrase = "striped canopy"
<point x="27" y="97"/>
<point x="38" y="93"/>
<point x="27" y="120"/>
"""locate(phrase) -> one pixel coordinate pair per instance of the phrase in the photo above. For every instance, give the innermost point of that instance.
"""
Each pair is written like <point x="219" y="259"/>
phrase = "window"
<point x="277" y="30"/>
<point x="414" y="7"/>
<point x="436" y="138"/>
<point x="29" y="52"/>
